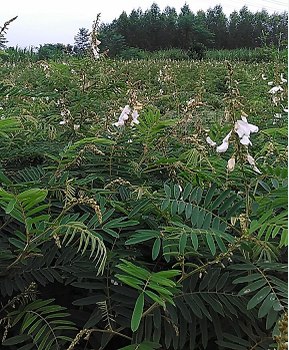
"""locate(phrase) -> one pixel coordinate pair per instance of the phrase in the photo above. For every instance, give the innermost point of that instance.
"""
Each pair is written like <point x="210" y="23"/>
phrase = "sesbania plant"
<point x="121" y="227"/>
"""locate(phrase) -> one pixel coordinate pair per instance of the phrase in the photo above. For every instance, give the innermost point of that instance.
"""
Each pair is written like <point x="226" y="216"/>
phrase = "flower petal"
<point x="223" y="147"/>
<point x="210" y="141"/>
<point x="245" y="141"/>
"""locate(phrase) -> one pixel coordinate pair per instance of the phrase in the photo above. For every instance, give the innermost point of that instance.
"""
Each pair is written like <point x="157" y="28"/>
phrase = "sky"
<point x="58" y="21"/>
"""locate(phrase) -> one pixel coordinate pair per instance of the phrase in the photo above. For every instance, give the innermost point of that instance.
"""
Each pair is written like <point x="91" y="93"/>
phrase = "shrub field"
<point x="143" y="204"/>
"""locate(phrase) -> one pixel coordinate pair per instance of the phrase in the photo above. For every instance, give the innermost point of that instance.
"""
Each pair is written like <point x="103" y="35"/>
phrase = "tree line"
<point x="154" y="29"/>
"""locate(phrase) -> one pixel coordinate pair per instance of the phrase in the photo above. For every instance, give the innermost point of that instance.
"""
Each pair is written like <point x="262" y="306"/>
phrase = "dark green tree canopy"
<point x="81" y="41"/>
<point x="154" y="29"/>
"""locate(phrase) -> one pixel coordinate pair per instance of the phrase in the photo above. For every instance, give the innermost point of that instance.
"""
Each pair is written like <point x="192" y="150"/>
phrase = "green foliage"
<point x="138" y="232"/>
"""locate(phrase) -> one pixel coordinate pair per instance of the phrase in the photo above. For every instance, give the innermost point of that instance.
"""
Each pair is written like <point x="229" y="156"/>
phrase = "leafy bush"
<point x="132" y="53"/>
<point x="139" y="232"/>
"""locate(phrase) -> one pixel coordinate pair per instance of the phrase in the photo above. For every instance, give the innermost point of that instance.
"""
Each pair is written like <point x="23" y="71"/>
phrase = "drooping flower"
<point x="210" y="141"/>
<point x="283" y="79"/>
<point x="231" y="164"/>
<point x="135" y="115"/>
<point x="245" y="141"/>
<point x="125" y="116"/>
<point x="224" y="146"/>
<point x="275" y="89"/>
<point x="251" y="161"/>
<point x="243" y="129"/>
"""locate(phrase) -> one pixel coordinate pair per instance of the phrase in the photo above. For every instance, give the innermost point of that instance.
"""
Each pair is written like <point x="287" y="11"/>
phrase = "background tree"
<point x="81" y="41"/>
<point x="217" y="23"/>
<point x="3" y="40"/>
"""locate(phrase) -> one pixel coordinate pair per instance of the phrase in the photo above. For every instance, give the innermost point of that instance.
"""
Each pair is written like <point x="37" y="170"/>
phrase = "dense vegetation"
<point x="143" y="203"/>
<point x="155" y="30"/>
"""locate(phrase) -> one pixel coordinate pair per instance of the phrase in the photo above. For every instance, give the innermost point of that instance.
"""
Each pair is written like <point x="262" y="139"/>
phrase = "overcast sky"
<point x="58" y="21"/>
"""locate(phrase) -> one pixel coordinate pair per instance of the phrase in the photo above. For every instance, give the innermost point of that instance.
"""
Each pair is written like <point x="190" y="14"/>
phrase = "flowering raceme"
<point x="242" y="128"/>
<point x="125" y="115"/>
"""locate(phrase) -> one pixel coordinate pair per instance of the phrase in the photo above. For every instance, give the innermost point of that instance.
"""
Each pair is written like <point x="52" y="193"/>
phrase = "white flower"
<point x="231" y="164"/>
<point x="243" y="128"/>
<point x="210" y="141"/>
<point x="62" y="122"/>
<point x="275" y="89"/>
<point x="251" y="161"/>
<point x="270" y="82"/>
<point x="285" y="110"/>
<point x="76" y="126"/>
<point x="245" y="141"/>
<point x="283" y="79"/>
<point x="119" y="123"/>
<point x="224" y="146"/>
<point x="135" y="115"/>
<point x="263" y="77"/>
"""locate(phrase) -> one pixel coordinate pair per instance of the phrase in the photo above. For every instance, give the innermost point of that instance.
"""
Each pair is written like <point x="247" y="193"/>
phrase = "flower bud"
<point x="231" y="164"/>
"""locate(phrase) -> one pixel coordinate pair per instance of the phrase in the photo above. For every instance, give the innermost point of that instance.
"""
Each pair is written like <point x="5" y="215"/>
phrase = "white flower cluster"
<point x="243" y="129"/>
<point x="275" y="89"/>
<point x="125" y="116"/>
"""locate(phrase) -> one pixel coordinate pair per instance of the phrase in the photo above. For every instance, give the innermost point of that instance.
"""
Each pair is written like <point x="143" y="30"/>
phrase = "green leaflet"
<point x="137" y="312"/>
<point x="252" y="287"/>
<point x="211" y="243"/>
<point x="266" y="305"/>
<point x="18" y="339"/>
<point x="249" y="278"/>
<point x="182" y="243"/>
<point x="155" y="297"/>
<point x="156" y="248"/>
<point x="187" y="191"/>
<point x="257" y="298"/>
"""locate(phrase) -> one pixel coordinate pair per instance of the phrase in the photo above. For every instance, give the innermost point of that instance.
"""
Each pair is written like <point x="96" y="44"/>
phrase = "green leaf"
<point x="209" y="195"/>
<point x="177" y="191"/>
<point x="27" y="321"/>
<point x="181" y="207"/>
<point x="252" y="287"/>
<point x="211" y="243"/>
<point x="188" y="210"/>
<point x="89" y="300"/>
<point x="257" y="298"/>
<point x="10" y="206"/>
<point x="155" y="297"/>
<point x="137" y="312"/>
<point x="220" y="199"/>
<point x="17" y="243"/>
<point x="194" y="307"/>
<point x="182" y="243"/>
<point x="174" y="207"/>
<point x="187" y="191"/>
<point x="167" y="190"/>
<point x="131" y="281"/>
<point x="194" y="239"/>
<point x="167" y="274"/>
<point x="226" y="205"/>
<point x="249" y="278"/>
<point x="16" y="340"/>
<point x="165" y="204"/>
<point x="156" y="248"/>
<point x="266" y="305"/>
